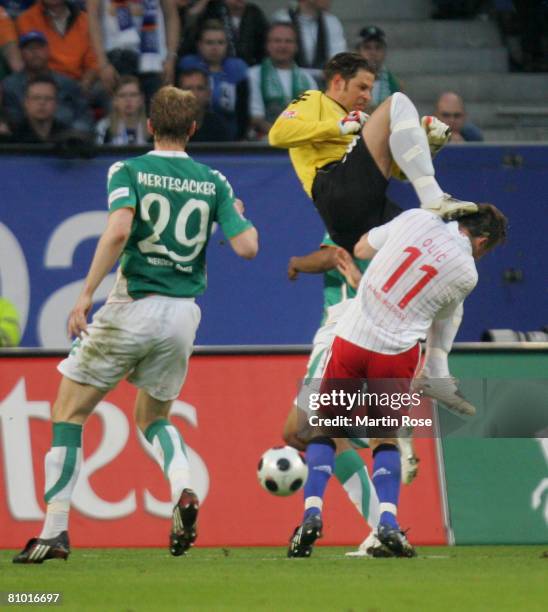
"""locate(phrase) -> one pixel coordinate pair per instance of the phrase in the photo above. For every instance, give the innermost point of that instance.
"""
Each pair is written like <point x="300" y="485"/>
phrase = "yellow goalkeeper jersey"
<point x="309" y="128"/>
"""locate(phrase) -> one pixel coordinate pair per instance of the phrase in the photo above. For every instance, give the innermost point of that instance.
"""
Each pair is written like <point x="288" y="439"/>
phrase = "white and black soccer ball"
<point x="282" y="471"/>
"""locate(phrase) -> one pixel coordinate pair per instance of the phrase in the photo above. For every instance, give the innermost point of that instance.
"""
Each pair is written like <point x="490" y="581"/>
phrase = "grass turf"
<point x="481" y="578"/>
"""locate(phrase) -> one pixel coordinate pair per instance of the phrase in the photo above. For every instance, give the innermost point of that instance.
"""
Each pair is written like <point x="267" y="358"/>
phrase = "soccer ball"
<point x="282" y="471"/>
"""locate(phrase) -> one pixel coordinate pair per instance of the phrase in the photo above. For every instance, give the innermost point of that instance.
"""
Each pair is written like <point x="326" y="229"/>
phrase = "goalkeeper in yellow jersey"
<point x="344" y="158"/>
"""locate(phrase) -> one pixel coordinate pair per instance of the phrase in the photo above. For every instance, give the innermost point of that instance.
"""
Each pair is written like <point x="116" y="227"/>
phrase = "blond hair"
<point x="172" y="113"/>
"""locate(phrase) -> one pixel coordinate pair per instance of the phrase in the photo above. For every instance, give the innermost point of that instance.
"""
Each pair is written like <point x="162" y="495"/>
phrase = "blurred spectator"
<point x="320" y="33"/>
<point x="127" y="121"/>
<point x="450" y="109"/>
<point x="135" y="37"/>
<point x="39" y="124"/>
<point x="72" y="107"/>
<point x="372" y="46"/>
<point x="244" y="22"/>
<point x="277" y="80"/>
<point x="66" y="29"/>
<point x="191" y="14"/>
<point x="15" y="7"/>
<point x="228" y="77"/>
<point x="9" y="52"/>
<point x="212" y="127"/>
<point x="5" y="129"/>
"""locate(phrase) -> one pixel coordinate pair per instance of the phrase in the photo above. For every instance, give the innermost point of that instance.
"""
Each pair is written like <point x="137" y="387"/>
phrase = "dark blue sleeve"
<point x="471" y="133"/>
<point x="236" y="68"/>
<point x="191" y="62"/>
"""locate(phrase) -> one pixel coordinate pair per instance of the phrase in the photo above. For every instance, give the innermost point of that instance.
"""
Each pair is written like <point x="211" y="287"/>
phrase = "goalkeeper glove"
<point x="437" y="132"/>
<point x="352" y="123"/>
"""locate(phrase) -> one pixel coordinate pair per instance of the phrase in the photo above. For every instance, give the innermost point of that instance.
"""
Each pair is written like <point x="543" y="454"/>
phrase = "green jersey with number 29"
<point x="176" y="201"/>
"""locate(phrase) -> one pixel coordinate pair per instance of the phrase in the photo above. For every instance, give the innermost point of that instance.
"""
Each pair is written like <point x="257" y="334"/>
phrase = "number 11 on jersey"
<point x="429" y="273"/>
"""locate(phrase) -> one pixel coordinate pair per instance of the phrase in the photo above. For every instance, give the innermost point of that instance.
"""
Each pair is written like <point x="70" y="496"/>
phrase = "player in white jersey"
<point x="342" y="275"/>
<point x="162" y="207"/>
<point x="421" y="272"/>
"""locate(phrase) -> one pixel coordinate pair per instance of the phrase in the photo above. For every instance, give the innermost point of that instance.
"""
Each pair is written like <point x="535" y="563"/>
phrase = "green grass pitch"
<point x="441" y="579"/>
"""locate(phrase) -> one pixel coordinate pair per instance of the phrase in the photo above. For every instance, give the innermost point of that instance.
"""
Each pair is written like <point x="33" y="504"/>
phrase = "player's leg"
<point x="387" y="478"/>
<point x="320" y="452"/>
<point x="351" y="472"/>
<point x="291" y="433"/>
<point x="160" y="375"/>
<point x="344" y="364"/>
<point x="297" y="432"/>
<point x="394" y="132"/>
<point x="390" y="374"/>
<point x="152" y="418"/>
<point x="73" y="405"/>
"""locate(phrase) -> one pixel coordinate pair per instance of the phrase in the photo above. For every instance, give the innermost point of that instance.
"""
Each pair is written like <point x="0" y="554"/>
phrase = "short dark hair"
<point x="489" y="222"/>
<point x="347" y="65"/>
<point x="45" y="78"/>
<point x="191" y="72"/>
<point x="282" y="24"/>
<point x="215" y="25"/>
<point x="127" y="79"/>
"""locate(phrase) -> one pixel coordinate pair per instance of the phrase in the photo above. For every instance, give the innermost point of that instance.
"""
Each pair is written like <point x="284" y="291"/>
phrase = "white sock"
<point x="56" y="521"/>
<point x="62" y="466"/>
<point x="387" y="507"/>
<point x="409" y="147"/>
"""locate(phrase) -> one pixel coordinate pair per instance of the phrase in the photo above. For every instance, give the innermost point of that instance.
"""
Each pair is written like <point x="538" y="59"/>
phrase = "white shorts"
<point x="321" y="349"/>
<point x="149" y="341"/>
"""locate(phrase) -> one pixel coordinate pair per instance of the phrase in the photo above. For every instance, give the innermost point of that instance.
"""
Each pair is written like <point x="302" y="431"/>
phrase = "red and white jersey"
<point x="423" y="266"/>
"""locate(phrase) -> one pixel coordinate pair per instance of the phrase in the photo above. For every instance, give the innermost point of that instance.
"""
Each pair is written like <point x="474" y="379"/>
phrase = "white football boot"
<point x="450" y="208"/>
<point x="371" y="548"/>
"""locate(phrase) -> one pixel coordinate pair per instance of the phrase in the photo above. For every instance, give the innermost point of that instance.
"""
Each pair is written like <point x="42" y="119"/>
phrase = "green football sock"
<point x="62" y="466"/>
<point x="170" y="452"/>
<point x="351" y="472"/>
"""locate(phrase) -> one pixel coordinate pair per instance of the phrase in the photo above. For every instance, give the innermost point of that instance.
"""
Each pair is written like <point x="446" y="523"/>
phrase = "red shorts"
<point x="380" y="381"/>
<point x="348" y="360"/>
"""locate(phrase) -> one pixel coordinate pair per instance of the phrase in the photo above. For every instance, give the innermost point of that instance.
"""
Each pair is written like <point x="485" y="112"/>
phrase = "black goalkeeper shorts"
<point x="350" y="196"/>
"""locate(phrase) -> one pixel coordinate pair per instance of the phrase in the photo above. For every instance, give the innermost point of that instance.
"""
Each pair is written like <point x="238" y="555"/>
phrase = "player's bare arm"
<point x="109" y="249"/>
<point x="363" y="250"/>
<point x="314" y="263"/>
<point x="347" y="267"/>
<point x="246" y="244"/>
<point x="172" y="32"/>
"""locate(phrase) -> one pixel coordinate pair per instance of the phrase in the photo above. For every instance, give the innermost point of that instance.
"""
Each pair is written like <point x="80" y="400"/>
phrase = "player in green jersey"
<point x="342" y="274"/>
<point x="162" y="206"/>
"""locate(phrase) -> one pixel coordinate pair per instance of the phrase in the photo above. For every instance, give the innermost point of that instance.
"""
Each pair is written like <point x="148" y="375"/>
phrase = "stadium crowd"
<point x="87" y="69"/>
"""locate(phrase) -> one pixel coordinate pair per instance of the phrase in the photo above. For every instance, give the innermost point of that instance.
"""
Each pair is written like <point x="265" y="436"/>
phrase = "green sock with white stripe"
<point x="170" y="452"/>
<point x="351" y="472"/>
<point x="62" y="466"/>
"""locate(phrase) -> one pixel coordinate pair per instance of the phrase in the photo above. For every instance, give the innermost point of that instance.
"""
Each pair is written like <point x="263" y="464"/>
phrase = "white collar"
<point x="464" y="239"/>
<point x="168" y="153"/>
